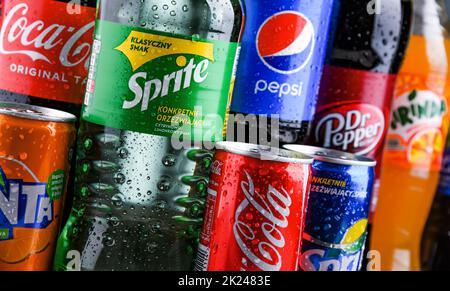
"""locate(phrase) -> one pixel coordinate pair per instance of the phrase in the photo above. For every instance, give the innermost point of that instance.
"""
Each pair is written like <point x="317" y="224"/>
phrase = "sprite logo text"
<point x="141" y="48"/>
<point x="24" y="204"/>
<point x="169" y="83"/>
<point x="320" y="260"/>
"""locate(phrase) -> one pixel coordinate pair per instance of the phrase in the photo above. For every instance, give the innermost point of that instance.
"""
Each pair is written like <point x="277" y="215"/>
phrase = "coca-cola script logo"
<point x="274" y="208"/>
<point x="355" y="128"/>
<point x="36" y="39"/>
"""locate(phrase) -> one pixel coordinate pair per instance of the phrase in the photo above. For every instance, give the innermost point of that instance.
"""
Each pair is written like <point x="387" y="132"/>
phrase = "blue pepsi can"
<point x="338" y="210"/>
<point x="282" y="56"/>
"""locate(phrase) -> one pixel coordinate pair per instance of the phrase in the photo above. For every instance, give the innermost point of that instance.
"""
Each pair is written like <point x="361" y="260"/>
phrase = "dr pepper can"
<point x="255" y="208"/>
<point x="35" y="149"/>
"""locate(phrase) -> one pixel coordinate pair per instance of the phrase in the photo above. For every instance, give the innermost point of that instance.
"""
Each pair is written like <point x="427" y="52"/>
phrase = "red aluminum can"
<point x="255" y="209"/>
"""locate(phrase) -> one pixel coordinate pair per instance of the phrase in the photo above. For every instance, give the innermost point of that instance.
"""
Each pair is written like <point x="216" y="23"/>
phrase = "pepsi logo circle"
<point x="285" y="42"/>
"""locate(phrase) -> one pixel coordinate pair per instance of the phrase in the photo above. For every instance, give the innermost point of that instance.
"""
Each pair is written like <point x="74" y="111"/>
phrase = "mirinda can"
<point x="35" y="149"/>
<point x="255" y="209"/>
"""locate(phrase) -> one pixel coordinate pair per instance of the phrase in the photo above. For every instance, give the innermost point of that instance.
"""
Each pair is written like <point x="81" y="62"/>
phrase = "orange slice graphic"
<point x="426" y="147"/>
<point x="26" y="242"/>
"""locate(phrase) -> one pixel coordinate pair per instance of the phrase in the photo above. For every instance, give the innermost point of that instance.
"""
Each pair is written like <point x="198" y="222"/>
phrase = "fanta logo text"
<point x="24" y="204"/>
<point x="358" y="131"/>
<point x="317" y="260"/>
<point x="417" y="107"/>
<point x="274" y="207"/>
<point x="20" y="36"/>
<point x="168" y="84"/>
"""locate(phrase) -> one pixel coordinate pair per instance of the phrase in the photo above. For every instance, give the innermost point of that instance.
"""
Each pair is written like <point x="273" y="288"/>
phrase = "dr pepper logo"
<point x="355" y="128"/>
<point x="45" y="49"/>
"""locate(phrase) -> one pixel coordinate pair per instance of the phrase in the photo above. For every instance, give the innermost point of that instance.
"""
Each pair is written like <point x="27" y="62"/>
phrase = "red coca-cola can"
<point x="255" y="209"/>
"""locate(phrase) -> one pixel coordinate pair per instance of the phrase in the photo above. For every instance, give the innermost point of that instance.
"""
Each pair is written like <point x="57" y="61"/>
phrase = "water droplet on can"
<point x="169" y="160"/>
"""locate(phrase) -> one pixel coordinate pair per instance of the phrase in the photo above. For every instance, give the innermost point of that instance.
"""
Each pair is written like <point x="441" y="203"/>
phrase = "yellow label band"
<point x="141" y="48"/>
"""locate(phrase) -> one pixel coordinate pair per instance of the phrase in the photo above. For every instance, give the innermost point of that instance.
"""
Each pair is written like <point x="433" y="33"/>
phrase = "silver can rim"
<point x="332" y="156"/>
<point x="265" y="153"/>
<point x="33" y="112"/>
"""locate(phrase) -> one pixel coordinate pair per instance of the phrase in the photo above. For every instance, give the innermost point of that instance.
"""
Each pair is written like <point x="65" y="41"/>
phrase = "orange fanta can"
<point x="415" y="141"/>
<point x="35" y="149"/>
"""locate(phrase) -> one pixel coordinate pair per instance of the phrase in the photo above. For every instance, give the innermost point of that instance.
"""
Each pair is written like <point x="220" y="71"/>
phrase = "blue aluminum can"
<point x="338" y="210"/>
<point x="444" y="181"/>
<point x="282" y="57"/>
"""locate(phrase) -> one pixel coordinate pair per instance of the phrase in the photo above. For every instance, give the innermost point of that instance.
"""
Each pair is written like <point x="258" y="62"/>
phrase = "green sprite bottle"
<point x="158" y="91"/>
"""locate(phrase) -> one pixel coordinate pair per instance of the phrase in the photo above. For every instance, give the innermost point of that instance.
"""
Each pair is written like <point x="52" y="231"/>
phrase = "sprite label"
<point x="159" y="83"/>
